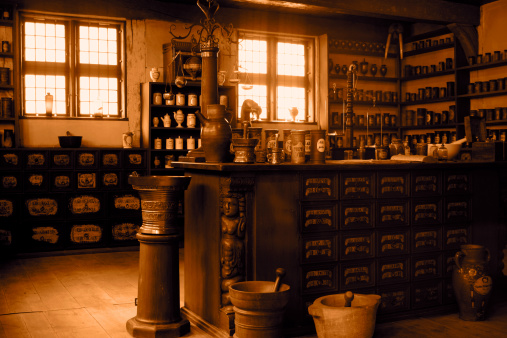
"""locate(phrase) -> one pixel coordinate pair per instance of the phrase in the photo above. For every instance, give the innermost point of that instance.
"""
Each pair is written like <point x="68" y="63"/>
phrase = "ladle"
<point x="280" y="273"/>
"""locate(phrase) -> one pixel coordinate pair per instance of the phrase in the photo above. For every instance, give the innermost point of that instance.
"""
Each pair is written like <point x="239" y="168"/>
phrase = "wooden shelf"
<point x="483" y="94"/>
<point x="367" y="103"/>
<point x="434" y="126"/>
<point x="429" y="75"/>
<point x="365" y="78"/>
<point x="487" y="65"/>
<point x="418" y="102"/>
<point x="429" y="49"/>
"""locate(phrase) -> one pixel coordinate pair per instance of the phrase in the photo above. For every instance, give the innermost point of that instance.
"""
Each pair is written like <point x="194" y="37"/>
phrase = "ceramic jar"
<point x="383" y="70"/>
<point x="166" y="120"/>
<point x="318" y="146"/>
<point x="169" y="143"/>
<point x="156" y="121"/>
<point x="191" y="143"/>
<point x="179" y="117"/>
<point x="192" y="99"/>
<point x="191" y="120"/>
<point x="158" y="143"/>
<point x="471" y="281"/>
<point x="157" y="98"/>
<point x="216" y="134"/>
<point x="180" y="99"/>
<point x="127" y="140"/>
<point x="179" y="143"/>
<point x="154" y="74"/>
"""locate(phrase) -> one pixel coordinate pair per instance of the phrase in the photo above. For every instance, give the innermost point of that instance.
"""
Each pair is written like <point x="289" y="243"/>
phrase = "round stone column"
<point x="158" y="301"/>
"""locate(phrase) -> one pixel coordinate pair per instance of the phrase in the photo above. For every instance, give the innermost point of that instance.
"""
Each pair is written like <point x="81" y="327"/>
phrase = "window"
<point x="276" y="73"/>
<point x="77" y="61"/>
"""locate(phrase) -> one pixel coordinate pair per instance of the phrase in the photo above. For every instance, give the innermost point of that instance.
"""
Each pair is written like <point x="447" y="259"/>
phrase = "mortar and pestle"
<point x="345" y="315"/>
<point x="259" y="307"/>
<point x="244" y="148"/>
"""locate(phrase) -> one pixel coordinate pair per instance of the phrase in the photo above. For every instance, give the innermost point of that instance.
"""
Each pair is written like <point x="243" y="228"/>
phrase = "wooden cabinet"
<point x="165" y="138"/>
<point x="54" y="199"/>
<point x="9" y="126"/>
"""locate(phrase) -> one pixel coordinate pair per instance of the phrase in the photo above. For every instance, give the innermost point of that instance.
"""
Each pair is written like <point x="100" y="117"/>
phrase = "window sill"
<point x="284" y="122"/>
<point x="59" y="118"/>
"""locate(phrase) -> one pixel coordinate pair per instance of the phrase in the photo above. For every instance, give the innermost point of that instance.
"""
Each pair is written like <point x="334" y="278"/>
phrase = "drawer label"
<point x="61" y="159"/>
<point x="62" y="181"/>
<point x="426" y="183"/>
<point x="11" y="159"/>
<point x="86" y="159"/>
<point x="36" y="180"/>
<point x="458" y="210"/>
<point x="110" y="179"/>
<point x="456" y="236"/>
<point x="318" y="248"/>
<point x="84" y="205"/>
<point x="6" y="208"/>
<point x="318" y="186"/>
<point x="86" y="233"/>
<point x="86" y="180"/>
<point x="355" y="246"/>
<point x="428" y="211"/>
<point x="393" y="300"/>
<point x="42" y="206"/>
<point x="357" y="275"/>
<point x="45" y="234"/>
<point x="429" y="294"/>
<point x="392" y="214"/>
<point x="357" y="186"/>
<point x="392" y="271"/>
<point x="125" y="231"/>
<point x="129" y="202"/>
<point x="36" y="159"/>
<point x="319" y="278"/>
<point x="392" y="243"/>
<point x="135" y="159"/>
<point x="9" y="182"/>
<point x="457" y="182"/>
<point x="426" y="267"/>
<point x="110" y="159"/>
<point x="318" y="217"/>
<point x="426" y="239"/>
<point x="392" y="185"/>
<point x="5" y="237"/>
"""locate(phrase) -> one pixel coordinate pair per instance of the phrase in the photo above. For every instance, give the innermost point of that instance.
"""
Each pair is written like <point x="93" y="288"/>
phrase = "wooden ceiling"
<point x="408" y="11"/>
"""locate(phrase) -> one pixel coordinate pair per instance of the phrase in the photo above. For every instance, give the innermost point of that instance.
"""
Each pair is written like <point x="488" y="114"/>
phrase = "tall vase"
<point x="216" y="135"/>
<point x="471" y="281"/>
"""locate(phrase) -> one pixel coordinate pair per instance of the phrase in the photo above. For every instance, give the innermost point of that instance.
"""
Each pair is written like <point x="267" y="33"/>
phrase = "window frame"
<point x="72" y="69"/>
<point x="272" y="80"/>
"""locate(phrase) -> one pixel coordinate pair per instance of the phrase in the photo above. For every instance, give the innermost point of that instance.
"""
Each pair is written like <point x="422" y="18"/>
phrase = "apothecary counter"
<point x="385" y="227"/>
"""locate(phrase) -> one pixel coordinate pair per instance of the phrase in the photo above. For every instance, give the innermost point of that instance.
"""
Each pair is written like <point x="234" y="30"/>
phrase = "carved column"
<point x="158" y="306"/>
<point x="234" y="220"/>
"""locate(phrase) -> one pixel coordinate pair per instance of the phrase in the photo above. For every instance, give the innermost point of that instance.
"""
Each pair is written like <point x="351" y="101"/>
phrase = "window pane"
<point x="288" y="97"/>
<point x="44" y="42"/>
<point x="252" y="56"/>
<point x="259" y="94"/>
<point x="36" y="88"/>
<point x="98" y="94"/>
<point x="290" y="59"/>
<point x="99" y="42"/>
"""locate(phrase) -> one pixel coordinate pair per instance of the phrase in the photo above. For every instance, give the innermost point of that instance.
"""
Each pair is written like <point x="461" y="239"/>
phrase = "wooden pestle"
<point x="280" y="273"/>
<point x="349" y="296"/>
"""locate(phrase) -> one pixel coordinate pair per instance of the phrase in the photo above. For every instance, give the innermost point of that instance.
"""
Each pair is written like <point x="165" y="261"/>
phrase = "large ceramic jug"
<point x="216" y="134"/>
<point x="471" y="281"/>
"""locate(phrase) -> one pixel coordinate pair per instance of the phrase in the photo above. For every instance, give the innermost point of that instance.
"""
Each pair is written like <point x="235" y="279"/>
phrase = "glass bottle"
<point x="406" y="148"/>
<point x="442" y="153"/>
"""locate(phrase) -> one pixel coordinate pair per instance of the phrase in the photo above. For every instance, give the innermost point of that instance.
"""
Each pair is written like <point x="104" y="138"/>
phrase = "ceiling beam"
<point x="431" y="11"/>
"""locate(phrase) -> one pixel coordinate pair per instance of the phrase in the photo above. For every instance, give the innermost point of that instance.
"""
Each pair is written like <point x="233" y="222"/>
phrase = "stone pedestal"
<point x="158" y="305"/>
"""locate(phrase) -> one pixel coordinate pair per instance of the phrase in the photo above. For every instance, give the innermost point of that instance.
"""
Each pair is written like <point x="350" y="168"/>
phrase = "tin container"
<point x="298" y="146"/>
<point x="318" y="146"/>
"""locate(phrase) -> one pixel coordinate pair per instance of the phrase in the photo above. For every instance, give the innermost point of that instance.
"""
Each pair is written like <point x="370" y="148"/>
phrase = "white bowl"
<point x="452" y="149"/>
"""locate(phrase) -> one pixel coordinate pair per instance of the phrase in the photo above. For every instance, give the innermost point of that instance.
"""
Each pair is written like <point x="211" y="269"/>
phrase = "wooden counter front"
<point x="385" y="227"/>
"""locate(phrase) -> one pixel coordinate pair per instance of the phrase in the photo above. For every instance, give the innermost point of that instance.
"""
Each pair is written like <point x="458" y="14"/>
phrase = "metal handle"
<point x="457" y="258"/>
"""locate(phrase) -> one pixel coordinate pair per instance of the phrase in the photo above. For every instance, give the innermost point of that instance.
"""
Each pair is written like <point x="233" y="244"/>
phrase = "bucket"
<point x="258" y="310"/>
<point x="332" y="319"/>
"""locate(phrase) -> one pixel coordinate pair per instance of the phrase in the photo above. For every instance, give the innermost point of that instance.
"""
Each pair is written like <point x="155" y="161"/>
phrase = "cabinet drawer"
<point x="448" y="296"/>
<point x="44" y="236"/>
<point x="426" y="183"/>
<point x="457" y="209"/>
<point x="456" y="235"/>
<point x="37" y="181"/>
<point x="426" y="294"/>
<point x="45" y="206"/>
<point x="11" y="181"/>
<point x="87" y="205"/>
<point x="86" y="234"/>
<point x="86" y="180"/>
<point x="426" y="211"/>
<point x="319" y="186"/>
<point x="110" y="159"/>
<point x="10" y="159"/>
<point x="319" y="278"/>
<point x="87" y="159"/>
<point x="357" y="215"/>
<point x="357" y="244"/>
<point x="357" y="274"/>
<point x="36" y="159"/>
<point x="457" y="183"/>
<point x="124" y="204"/>
<point x="395" y="298"/>
<point x="449" y="263"/>
<point x="61" y="159"/>
<point x="392" y="213"/>
<point x="62" y="181"/>
<point x="320" y="248"/>
<point x="111" y="179"/>
<point x="10" y="206"/>
<point x="357" y="185"/>
<point x="393" y="242"/>
<point x="393" y="270"/>
<point x="426" y="266"/>
<point x="134" y="159"/>
<point x="392" y="185"/>
<point x="318" y="217"/>
<point x="426" y="239"/>
<point x="124" y="231"/>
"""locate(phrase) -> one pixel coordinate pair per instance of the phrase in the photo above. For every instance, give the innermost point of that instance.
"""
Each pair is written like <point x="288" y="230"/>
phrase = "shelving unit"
<point x="150" y="133"/>
<point x="8" y="105"/>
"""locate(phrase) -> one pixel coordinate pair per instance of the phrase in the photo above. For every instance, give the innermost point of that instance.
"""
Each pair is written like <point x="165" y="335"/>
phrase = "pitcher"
<point x="216" y="134"/>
